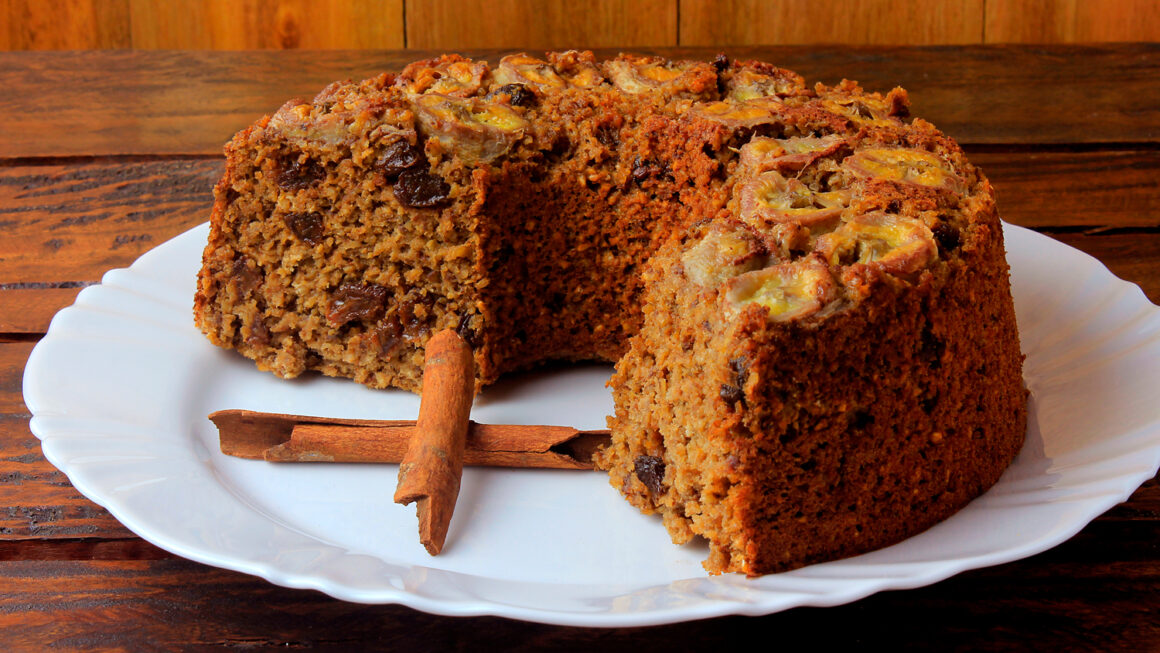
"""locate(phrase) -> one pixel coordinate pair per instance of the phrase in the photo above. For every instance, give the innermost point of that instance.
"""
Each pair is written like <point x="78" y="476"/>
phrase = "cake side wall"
<point x="314" y="263"/>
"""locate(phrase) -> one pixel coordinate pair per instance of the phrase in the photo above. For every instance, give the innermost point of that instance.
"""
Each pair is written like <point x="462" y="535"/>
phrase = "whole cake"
<point x="804" y="289"/>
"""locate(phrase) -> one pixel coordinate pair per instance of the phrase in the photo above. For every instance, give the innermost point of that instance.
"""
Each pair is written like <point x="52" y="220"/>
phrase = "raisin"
<point x="469" y="335"/>
<point x="415" y="316"/>
<point x="932" y="349"/>
<point x="246" y="275"/>
<point x="259" y="334"/>
<point x="357" y="301"/>
<point x="731" y="393"/>
<point x="651" y="471"/>
<point x="387" y="334"/>
<point x="518" y="94"/>
<point x="643" y="169"/>
<point x="419" y="189"/>
<point x="307" y="226"/>
<point x="721" y="64"/>
<point x="928" y="404"/>
<point x="740" y="368"/>
<point x="299" y="174"/>
<point x="608" y="136"/>
<point x="860" y="419"/>
<point x="947" y="236"/>
<point x="397" y="157"/>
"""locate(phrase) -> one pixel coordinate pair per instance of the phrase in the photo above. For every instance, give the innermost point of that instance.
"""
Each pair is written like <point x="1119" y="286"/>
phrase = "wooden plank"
<point x="29" y="310"/>
<point x="58" y="106"/>
<point x="853" y="22"/>
<point x="266" y="24"/>
<point x="1075" y="189"/>
<point x="38" y="501"/>
<point x="13" y="356"/>
<point x="457" y="24"/>
<point x="1102" y="586"/>
<point x="1071" y="21"/>
<point x="63" y="24"/>
<point x="68" y="223"/>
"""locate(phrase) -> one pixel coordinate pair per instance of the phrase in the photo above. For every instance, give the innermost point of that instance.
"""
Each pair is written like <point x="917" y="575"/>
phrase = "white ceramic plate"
<point x="121" y="386"/>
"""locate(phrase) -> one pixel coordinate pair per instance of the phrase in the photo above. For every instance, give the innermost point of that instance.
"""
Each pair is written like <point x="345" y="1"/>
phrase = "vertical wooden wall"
<point x="542" y="24"/>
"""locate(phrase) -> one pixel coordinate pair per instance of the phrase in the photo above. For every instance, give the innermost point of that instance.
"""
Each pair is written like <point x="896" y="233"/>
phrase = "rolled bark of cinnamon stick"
<point x="433" y="466"/>
<point x="281" y="438"/>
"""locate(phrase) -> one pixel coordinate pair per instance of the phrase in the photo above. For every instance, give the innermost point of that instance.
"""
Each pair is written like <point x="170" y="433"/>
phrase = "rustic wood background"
<point x="104" y="155"/>
<point x="545" y="24"/>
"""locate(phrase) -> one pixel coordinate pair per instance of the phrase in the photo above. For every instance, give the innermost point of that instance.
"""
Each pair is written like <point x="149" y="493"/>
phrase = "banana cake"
<point x="804" y="289"/>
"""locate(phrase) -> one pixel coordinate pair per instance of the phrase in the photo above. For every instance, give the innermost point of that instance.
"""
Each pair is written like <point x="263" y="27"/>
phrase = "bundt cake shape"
<point x="805" y="290"/>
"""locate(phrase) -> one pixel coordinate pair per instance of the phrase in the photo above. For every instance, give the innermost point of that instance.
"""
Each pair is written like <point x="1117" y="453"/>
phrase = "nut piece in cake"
<point x="903" y="166"/>
<point x="475" y="130"/>
<point x="725" y="252"/>
<point x="790" y="291"/>
<point x="888" y="242"/>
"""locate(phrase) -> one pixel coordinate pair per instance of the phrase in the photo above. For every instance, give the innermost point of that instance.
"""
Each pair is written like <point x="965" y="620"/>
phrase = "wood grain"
<point x="64" y="24"/>
<point x="29" y="310"/>
<point x="266" y="24"/>
<point x="457" y="24"/>
<point x="1087" y="190"/>
<point x="38" y="501"/>
<point x="69" y="223"/>
<point x="853" y="22"/>
<point x="13" y="356"/>
<point x="133" y="106"/>
<point x="1064" y="599"/>
<point x="1071" y="21"/>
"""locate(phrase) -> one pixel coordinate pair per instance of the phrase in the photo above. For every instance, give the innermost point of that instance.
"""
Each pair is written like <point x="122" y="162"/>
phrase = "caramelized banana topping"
<point x="476" y="130"/>
<point x="770" y="198"/>
<point x="789" y="291"/>
<point x="524" y="69"/>
<point x="891" y="243"/>
<point x="903" y="166"/>
<point x="724" y="252"/>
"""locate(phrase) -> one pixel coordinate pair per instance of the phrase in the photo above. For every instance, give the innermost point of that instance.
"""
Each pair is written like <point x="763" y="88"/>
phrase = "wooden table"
<point x="104" y="155"/>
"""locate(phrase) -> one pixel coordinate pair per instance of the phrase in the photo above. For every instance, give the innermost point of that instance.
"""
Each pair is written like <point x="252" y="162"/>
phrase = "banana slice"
<point x="724" y="252"/>
<point x="448" y="75"/>
<point x="528" y="70"/>
<point x="747" y="84"/>
<point x="789" y="291"/>
<point x="787" y="154"/>
<point x="891" y="243"/>
<point x="769" y="198"/>
<point x="904" y="166"/>
<point x="477" y="131"/>
<point x="633" y="74"/>
<point x="735" y="115"/>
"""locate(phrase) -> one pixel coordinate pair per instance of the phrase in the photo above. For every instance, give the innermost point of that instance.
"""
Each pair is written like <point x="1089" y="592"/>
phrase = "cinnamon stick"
<point x="433" y="466"/>
<point x="282" y="438"/>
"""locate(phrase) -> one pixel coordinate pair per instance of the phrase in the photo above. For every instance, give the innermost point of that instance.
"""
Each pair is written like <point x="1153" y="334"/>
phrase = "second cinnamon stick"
<point x="433" y="466"/>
